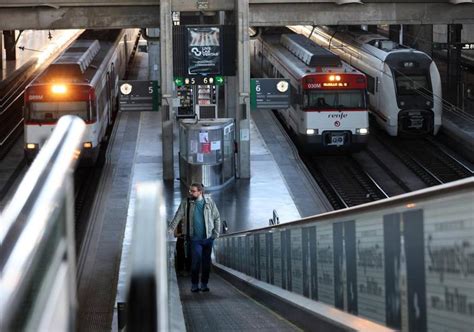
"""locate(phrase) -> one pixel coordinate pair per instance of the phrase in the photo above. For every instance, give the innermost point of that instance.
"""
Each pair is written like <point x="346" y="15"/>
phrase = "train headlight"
<point x="87" y="145"/>
<point x="59" y="89"/>
<point x="362" y="131"/>
<point x="31" y="146"/>
<point x="309" y="131"/>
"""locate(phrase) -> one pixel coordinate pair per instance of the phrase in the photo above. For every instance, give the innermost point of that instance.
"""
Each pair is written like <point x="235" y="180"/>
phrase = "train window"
<point x="412" y="84"/>
<point x="370" y="84"/>
<point x="351" y="99"/>
<point x="51" y="111"/>
<point x="335" y="99"/>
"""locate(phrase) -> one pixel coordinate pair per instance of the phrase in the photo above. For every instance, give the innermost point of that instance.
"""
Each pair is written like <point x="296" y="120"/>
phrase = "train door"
<point x="109" y="102"/>
<point x="113" y="90"/>
<point x="125" y="48"/>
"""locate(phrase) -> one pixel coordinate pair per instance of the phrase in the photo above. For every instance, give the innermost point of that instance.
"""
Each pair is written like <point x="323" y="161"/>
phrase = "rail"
<point x="397" y="261"/>
<point x="37" y="257"/>
<point x="147" y="282"/>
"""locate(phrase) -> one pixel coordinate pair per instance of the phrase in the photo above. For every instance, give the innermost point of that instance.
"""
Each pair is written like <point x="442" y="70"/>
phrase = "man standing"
<point x="201" y="225"/>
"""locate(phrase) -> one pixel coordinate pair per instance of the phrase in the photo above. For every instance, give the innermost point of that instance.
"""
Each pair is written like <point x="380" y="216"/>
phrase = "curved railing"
<point x="37" y="258"/>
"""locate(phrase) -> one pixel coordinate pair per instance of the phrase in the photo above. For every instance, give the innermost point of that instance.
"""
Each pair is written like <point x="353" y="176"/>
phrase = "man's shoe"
<point x="194" y="288"/>
<point x="204" y="288"/>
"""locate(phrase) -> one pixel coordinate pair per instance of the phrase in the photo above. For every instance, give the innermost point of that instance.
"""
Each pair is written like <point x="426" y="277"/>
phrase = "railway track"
<point x="11" y="102"/>
<point x="426" y="158"/>
<point x="343" y="181"/>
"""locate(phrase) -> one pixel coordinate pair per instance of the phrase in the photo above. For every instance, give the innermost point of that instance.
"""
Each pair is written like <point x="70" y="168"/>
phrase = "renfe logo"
<point x="337" y="116"/>
<point x="35" y="97"/>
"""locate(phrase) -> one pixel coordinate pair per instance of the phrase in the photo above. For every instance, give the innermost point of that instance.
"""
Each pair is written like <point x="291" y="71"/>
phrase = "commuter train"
<point x="328" y="108"/>
<point x="82" y="81"/>
<point x="404" y="84"/>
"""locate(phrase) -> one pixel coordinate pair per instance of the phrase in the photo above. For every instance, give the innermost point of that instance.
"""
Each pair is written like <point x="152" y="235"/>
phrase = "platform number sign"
<point x="269" y="93"/>
<point x="139" y="95"/>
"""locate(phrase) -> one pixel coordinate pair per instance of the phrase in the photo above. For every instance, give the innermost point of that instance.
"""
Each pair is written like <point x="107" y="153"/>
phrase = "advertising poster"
<point x="371" y="267"/>
<point x="203" y="50"/>
<point x="325" y="263"/>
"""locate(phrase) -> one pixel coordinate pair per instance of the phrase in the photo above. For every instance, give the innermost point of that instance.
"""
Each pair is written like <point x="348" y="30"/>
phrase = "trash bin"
<point x="206" y="152"/>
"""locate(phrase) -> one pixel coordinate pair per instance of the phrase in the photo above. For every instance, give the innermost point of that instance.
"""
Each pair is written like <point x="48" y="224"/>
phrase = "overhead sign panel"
<point x="269" y="93"/>
<point x="204" y="50"/>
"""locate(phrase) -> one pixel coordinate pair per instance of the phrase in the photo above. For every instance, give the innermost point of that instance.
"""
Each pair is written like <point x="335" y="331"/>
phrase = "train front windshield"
<point x="338" y="99"/>
<point x="46" y="112"/>
<point x="412" y="84"/>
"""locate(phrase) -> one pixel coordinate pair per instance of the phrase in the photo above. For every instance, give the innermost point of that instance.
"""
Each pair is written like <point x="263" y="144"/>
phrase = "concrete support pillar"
<point x="167" y="88"/>
<point x="243" y="89"/>
<point x="1" y="49"/>
<point x="394" y="33"/>
<point x="154" y="54"/>
<point x="454" y="63"/>
<point x="230" y="100"/>
<point x="10" y="49"/>
<point x="372" y="28"/>
<point x="419" y="37"/>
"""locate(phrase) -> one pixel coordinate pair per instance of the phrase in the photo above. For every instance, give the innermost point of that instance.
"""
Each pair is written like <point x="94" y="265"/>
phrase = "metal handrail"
<point x="436" y="191"/>
<point x="43" y="199"/>
<point x="147" y="282"/>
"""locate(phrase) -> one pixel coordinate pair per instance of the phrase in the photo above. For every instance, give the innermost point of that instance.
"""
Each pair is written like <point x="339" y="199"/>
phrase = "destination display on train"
<point x="343" y="81"/>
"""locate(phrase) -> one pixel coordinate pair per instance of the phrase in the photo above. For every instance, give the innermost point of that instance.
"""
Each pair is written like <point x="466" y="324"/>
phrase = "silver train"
<point x="404" y="84"/>
<point x="82" y="81"/>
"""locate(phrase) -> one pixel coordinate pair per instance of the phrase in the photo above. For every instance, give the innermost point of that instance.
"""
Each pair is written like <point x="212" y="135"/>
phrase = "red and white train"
<point x="82" y="81"/>
<point x="328" y="108"/>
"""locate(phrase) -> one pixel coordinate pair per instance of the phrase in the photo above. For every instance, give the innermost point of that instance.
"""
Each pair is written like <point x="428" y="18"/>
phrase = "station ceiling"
<point x="63" y="14"/>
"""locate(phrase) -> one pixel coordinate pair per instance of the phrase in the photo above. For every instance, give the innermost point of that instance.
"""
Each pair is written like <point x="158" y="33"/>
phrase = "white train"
<point x="404" y="84"/>
<point x="328" y="108"/>
<point x="82" y="81"/>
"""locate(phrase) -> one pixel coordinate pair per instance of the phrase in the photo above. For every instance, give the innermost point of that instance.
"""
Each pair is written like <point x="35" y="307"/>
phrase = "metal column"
<point x="419" y="37"/>
<point x="242" y="117"/>
<point x="10" y="49"/>
<point x="154" y="54"/>
<point x="167" y="88"/>
<point x="1" y="49"/>
<point x="454" y="62"/>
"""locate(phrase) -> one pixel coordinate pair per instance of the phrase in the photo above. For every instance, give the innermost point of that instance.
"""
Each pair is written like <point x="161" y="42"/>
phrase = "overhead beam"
<point x="47" y="18"/>
<point x="15" y="15"/>
<point x="373" y="13"/>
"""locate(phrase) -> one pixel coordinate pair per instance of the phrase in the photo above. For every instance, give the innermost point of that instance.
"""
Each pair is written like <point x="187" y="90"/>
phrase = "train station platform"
<point x="244" y="204"/>
<point x="278" y="182"/>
